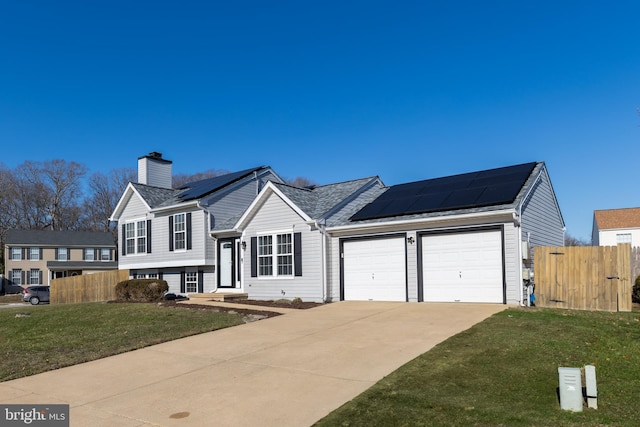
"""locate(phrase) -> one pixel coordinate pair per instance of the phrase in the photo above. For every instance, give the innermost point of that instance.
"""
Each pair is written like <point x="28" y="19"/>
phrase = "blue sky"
<point x="332" y="91"/>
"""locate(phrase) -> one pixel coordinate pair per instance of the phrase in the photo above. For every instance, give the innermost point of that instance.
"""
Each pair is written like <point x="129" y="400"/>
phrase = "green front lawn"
<point x="504" y="372"/>
<point x="51" y="337"/>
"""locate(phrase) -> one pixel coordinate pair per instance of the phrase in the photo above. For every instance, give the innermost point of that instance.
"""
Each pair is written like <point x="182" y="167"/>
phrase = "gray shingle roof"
<point x="316" y="202"/>
<point x="59" y="238"/>
<point x="156" y="196"/>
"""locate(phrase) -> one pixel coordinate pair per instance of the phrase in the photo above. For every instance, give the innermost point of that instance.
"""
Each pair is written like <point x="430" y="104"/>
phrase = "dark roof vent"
<point x="155" y="155"/>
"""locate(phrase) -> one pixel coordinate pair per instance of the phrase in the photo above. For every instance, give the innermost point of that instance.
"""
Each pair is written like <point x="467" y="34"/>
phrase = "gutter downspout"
<point x="215" y="245"/>
<point x="323" y="234"/>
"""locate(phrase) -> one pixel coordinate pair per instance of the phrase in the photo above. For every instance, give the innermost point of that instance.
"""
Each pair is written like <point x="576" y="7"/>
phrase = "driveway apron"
<point x="289" y="370"/>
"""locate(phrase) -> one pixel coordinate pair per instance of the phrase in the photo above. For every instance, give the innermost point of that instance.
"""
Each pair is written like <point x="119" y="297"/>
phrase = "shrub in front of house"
<point x="141" y="290"/>
<point x="635" y="295"/>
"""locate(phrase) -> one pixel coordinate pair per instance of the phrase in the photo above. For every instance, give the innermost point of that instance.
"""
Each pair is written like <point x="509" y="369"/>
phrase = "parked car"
<point x="36" y="294"/>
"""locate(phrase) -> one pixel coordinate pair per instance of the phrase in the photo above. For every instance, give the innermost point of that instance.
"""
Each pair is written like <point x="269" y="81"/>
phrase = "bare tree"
<point x="181" y="179"/>
<point x="63" y="180"/>
<point x="105" y="192"/>
<point x="27" y="199"/>
<point x="570" y="240"/>
<point x="300" y="181"/>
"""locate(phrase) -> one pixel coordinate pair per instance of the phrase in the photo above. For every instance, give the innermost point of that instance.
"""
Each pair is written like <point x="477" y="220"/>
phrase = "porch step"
<point x="220" y="296"/>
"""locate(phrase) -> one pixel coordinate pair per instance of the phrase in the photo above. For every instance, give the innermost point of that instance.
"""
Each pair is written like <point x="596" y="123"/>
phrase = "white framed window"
<point x="265" y="255"/>
<point x="34" y="276"/>
<point x="179" y="232"/>
<point x="16" y="276"/>
<point x="191" y="281"/>
<point x="89" y="254"/>
<point x="623" y="238"/>
<point x="34" y="254"/>
<point x="16" y="254"/>
<point x="275" y="260"/>
<point x="135" y="237"/>
<point x="63" y="254"/>
<point x="141" y="236"/>
<point x="105" y="254"/>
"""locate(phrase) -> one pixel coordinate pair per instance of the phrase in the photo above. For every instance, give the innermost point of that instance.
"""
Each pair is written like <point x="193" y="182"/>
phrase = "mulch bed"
<point x="174" y="304"/>
<point x="302" y="305"/>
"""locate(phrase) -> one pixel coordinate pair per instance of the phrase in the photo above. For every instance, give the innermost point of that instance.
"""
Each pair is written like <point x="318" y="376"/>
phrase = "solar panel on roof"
<point x="470" y="190"/>
<point x="198" y="189"/>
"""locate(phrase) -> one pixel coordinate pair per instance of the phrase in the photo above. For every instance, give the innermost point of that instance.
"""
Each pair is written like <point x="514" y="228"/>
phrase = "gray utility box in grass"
<point x="570" y="389"/>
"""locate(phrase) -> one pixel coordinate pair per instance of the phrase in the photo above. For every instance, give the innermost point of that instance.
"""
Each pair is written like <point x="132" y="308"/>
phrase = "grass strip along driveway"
<point x="43" y="338"/>
<point x="503" y="372"/>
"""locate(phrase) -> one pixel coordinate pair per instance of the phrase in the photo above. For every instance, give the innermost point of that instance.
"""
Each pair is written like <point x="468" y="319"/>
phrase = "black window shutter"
<point x="160" y="275"/>
<point x="40" y="255"/>
<point x="40" y="276"/>
<point x="148" y="236"/>
<point x="171" y="234"/>
<point x="23" y="277"/>
<point x="124" y="241"/>
<point x="97" y="255"/>
<point x="84" y="252"/>
<point x="201" y="281"/>
<point x="24" y="253"/>
<point x="57" y="254"/>
<point x="189" y="230"/>
<point x="182" y="282"/>
<point x="297" y="254"/>
<point x="254" y="257"/>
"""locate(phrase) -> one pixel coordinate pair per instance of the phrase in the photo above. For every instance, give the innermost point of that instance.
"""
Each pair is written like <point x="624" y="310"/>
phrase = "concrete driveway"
<point x="289" y="370"/>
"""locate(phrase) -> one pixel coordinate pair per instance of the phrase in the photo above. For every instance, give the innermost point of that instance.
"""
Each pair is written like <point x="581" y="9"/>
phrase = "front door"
<point x="227" y="279"/>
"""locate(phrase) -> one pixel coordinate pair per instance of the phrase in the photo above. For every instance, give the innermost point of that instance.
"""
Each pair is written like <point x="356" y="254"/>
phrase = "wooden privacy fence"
<point x="87" y="287"/>
<point x="583" y="277"/>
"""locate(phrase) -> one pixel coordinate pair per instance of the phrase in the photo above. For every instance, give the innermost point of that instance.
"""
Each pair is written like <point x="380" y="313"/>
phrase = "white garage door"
<point x="375" y="270"/>
<point x="465" y="267"/>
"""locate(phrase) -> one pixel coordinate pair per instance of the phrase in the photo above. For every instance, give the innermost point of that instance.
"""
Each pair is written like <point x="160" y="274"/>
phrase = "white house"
<point x="458" y="238"/>
<point x="613" y="226"/>
<point x="166" y="233"/>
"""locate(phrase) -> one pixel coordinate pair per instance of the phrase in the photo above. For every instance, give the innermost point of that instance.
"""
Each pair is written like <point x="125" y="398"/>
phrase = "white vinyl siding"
<point x="275" y="214"/>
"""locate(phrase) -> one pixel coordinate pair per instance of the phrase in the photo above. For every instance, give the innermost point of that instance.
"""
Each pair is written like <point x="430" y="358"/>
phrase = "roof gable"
<point x="617" y="218"/>
<point x="158" y="198"/>
<point x="465" y="191"/>
<point x="311" y="203"/>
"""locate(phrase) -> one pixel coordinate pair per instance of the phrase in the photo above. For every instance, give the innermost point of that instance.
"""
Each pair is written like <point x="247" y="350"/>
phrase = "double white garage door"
<point x="465" y="267"/>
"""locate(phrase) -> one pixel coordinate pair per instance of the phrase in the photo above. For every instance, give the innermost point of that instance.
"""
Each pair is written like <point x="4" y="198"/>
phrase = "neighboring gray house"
<point x="167" y="233"/>
<point x="464" y="238"/>
<point x="35" y="257"/>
